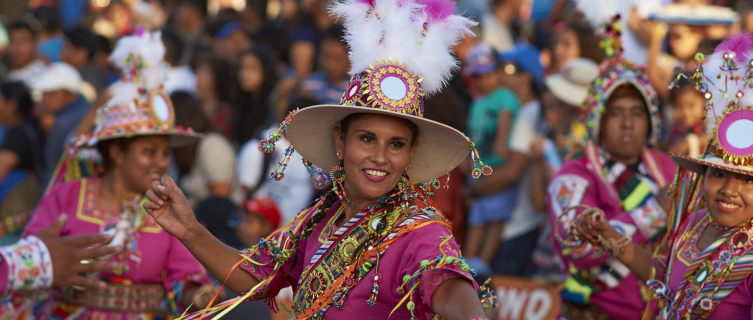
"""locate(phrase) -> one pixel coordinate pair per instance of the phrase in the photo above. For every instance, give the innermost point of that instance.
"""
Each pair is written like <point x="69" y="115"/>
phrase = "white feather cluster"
<point x="392" y="31"/>
<point x="597" y="11"/>
<point x="148" y="48"/>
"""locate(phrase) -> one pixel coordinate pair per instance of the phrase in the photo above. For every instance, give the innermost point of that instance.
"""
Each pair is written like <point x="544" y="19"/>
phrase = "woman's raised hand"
<point x="169" y="207"/>
<point x="589" y="230"/>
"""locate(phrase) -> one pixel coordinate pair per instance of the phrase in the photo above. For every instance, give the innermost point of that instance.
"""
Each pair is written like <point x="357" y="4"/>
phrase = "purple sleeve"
<point x="424" y="244"/>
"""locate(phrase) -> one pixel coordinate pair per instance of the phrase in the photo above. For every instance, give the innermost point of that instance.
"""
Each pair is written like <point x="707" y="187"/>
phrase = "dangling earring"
<point x="402" y="187"/>
<point x="338" y="177"/>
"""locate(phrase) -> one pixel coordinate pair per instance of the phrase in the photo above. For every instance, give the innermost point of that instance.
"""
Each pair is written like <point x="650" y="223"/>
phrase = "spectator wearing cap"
<point x="60" y="86"/>
<point x="520" y="234"/>
<point x="490" y="119"/>
<point x="22" y="60"/>
<point x="78" y="51"/>
<point x="232" y="40"/>
<point x="328" y="84"/>
<point x="263" y="216"/>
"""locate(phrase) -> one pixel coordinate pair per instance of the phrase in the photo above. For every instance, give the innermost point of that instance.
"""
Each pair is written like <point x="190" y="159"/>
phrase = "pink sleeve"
<point x="423" y="244"/>
<point x="3" y="275"/>
<point x="51" y="207"/>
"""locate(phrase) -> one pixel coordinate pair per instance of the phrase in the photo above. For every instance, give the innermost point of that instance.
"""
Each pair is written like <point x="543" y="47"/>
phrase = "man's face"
<point x="625" y="128"/>
<point x="76" y="57"/>
<point x="21" y="48"/>
<point x="54" y="101"/>
<point x="335" y="59"/>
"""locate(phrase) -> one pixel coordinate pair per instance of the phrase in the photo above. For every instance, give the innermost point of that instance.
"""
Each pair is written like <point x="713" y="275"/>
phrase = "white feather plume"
<point x="148" y="48"/>
<point x="393" y="31"/>
<point x="597" y="11"/>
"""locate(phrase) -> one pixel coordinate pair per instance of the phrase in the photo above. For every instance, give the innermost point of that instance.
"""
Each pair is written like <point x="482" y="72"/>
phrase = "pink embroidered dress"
<point x="326" y="282"/>
<point x="734" y="301"/>
<point x="152" y="258"/>
<point x="626" y="195"/>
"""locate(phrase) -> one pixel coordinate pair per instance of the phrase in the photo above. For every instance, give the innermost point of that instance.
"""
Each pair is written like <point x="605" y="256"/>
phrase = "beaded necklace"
<point x="718" y="260"/>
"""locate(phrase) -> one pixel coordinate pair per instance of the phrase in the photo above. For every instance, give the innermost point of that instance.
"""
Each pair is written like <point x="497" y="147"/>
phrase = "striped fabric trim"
<point x="741" y="270"/>
<point x="335" y="236"/>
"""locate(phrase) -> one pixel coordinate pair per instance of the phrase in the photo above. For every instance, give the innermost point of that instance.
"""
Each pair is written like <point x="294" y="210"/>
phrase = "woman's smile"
<point x="375" y="175"/>
<point x="727" y="206"/>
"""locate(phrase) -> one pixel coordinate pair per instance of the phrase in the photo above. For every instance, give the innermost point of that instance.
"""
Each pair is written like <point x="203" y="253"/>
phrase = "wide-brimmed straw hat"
<point x="729" y="104"/>
<point x="138" y="106"/>
<point x="399" y="51"/>
<point x="570" y="85"/>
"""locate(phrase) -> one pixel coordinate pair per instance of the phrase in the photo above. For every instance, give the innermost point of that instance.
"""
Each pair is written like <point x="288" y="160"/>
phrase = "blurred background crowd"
<point x="237" y="67"/>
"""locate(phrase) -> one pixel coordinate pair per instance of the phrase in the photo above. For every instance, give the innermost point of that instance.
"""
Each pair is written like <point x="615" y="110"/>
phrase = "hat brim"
<point x="177" y="139"/>
<point x="440" y="147"/>
<point x="698" y="165"/>
<point x="566" y="91"/>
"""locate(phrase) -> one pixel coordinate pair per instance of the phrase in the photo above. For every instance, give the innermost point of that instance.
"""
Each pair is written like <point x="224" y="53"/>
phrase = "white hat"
<point x="570" y="85"/>
<point x="58" y="75"/>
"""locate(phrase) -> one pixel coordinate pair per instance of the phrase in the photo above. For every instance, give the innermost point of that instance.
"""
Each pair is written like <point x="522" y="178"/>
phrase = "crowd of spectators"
<point x="237" y="67"/>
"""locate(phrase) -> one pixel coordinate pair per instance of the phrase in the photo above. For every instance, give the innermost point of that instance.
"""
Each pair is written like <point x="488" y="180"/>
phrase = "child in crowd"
<point x="490" y="120"/>
<point x="688" y="134"/>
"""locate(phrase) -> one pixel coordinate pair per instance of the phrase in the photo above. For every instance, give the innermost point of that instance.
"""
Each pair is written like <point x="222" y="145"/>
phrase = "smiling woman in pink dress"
<point x="373" y="246"/>
<point x="156" y="276"/>
<point x="703" y="270"/>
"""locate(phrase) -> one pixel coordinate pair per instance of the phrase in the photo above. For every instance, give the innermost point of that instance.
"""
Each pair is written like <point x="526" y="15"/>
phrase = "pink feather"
<point x="739" y="43"/>
<point x="369" y="2"/>
<point x="438" y="10"/>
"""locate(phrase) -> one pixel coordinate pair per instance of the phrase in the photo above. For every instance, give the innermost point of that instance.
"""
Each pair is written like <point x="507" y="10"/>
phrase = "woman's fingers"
<point x="87" y="240"/>
<point x="93" y="253"/>
<point x="150" y="206"/>
<point x="85" y="282"/>
<point x="153" y="197"/>
<point x="95" y="267"/>
<point x="156" y="184"/>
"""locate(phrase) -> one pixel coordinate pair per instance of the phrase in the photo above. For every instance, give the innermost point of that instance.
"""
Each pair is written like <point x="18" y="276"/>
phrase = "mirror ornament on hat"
<point x="138" y="106"/>
<point x="399" y="52"/>
<point x="729" y="104"/>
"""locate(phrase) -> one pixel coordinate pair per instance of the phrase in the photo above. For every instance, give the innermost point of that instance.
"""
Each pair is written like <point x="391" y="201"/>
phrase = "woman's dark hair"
<point x="588" y="43"/>
<point x="17" y="92"/>
<point x="253" y="108"/>
<point x="223" y="74"/>
<point x="188" y="112"/>
<point x="345" y="125"/>
<point x="104" y="149"/>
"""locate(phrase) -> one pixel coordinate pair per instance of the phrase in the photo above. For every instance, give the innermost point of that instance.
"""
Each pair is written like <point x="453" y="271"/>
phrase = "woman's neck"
<point x="112" y="192"/>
